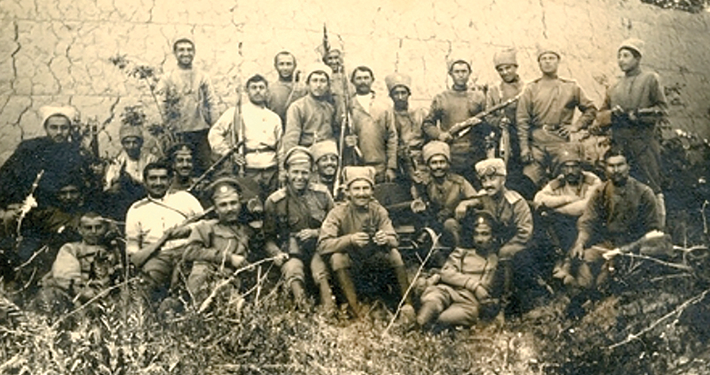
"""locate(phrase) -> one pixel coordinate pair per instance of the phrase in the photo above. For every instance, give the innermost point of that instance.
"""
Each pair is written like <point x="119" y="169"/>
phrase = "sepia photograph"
<point x="354" y="188"/>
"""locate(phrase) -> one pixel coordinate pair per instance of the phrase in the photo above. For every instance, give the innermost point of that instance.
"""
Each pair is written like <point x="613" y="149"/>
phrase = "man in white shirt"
<point x="156" y="227"/>
<point x="260" y="130"/>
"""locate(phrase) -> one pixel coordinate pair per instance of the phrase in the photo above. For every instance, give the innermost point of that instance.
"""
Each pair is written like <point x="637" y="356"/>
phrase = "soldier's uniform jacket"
<point x="559" y="188"/>
<point x="78" y="263"/>
<point x="465" y="268"/>
<point x="550" y="104"/>
<point x="443" y="198"/>
<point x="620" y="214"/>
<point x="377" y="136"/>
<point x="637" y="91"/>
<point x="500" y="93"/>
<point x="286" y="212"/>
<point x="308" y="121"/>
<point x="345" y="219"/>
<point x="210" y="241"/>
<point x="515" y="220"/>
<point x="196" y="108"/>
<point x="281" y="95"/>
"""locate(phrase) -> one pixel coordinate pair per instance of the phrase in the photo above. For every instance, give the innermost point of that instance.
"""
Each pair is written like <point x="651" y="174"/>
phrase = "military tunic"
<point x="377" y="136"/>
<point x="513" y="214"/>
<point x="546" y="106"/>
<point x="408" y="125"/>
<point x="308" y="120"/>
<point x="285" y="213"/>
<point x="281" y="95"/>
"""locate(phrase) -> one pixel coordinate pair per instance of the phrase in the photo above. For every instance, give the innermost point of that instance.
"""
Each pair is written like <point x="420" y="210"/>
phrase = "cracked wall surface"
<point x="57" y="51"/>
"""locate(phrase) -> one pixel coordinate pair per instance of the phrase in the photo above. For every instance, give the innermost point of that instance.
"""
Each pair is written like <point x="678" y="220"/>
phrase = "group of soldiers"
<point x="290" y="174"/>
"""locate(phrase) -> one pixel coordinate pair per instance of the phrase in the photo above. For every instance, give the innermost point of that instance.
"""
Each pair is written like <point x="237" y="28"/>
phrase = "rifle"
<point x="142" y="256"/>
<point x="214" y="166"/>
<point x="461" y="128"/>
<point x="27" y="205"/>
<point x="238" y="133"/>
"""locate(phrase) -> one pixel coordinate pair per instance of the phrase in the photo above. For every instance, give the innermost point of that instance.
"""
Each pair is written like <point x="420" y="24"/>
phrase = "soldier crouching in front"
<point x="359" y="234"/>
<point x="82" y="270"/>
<point x="214" y="244"/>
<point x="293" y="216"/>
<point x="466" y="291"/>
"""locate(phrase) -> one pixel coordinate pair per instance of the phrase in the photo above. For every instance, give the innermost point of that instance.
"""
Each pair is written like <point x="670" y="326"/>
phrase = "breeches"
<point x="546" y="147"/>
<point x="294" y="269"/>
<point x="454" y="306"/>
<point x="375" y="259"/>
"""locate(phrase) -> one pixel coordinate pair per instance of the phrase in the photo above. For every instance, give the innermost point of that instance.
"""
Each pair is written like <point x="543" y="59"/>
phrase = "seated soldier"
<point x="561" y="202"/>
<point x="212" y="244"/>
<point x="466" y="287"/>
<point x="621" y="211"/>
<point x="156" y="227"/>
<point x="325" y="155"/>
<point x="446" y="194"/>
<point x="82" y="269"/>
<point x="293" y="217"/>
<point x="359" y="234"/>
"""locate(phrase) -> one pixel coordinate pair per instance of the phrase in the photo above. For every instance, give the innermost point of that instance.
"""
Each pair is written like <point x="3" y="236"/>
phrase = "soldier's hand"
<point x="445" y="137"/>
<point x="564" y="131"/>
<point x="178" y="232"/>
<point x="617" y="110"/>
<point x="237" y="261"/>
<point x="460" y="211"/>
<point x="526" y="156"/>
<point x="577" y="251"/>
<point x="351" y="140"/>
<point x="381" y="238"/>
<point x="280" y="259"/>
<point x="481" y="293"/>
<point x="418" y="206"/>
<point x="360" y="239"/>
<point x="390" y="175"/>
<point x="239" y="159"/>
<point x="306" y="234"/>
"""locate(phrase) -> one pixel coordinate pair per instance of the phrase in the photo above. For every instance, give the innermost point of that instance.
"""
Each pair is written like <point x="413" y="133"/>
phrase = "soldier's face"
<point x="185" y="54"/>
<point x="132" y="146"/>
<point x="363" y="82"/>
<point x="617" y="169"/>
<point x="460" y="73"/>
<point x="183" y="164"/>
<point x="548" y="63"/>
<point x="333" y="61"/>
<point x="508" y="72"/>
<point x="627" y="61"/>
<point x="318" y="84"/>
<point x="228" y="207"/>
<point x="492" y="184"/>
<point x="257" y="92"/>
<point x="483" y="236"/>
<point x="157" y="182"/>
<point x="298" y="175"/>
<point x="92" y="229"/>
<point x="438" y="166"/>
<point x="572" y="171"/>
<point x="58" y="128"/>
<point x="285" y="65"/>
<point x="327" y="165"/>
<point x="69" y="196"/>
<point x="360" y="193"/>
<point x="400" y="96"/>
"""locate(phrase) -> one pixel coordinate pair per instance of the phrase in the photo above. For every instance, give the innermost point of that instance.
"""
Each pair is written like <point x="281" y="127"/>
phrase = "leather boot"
<point x="403" y="281"/>
<point x="326" y="296"/>
<point x="348" y="288"/>
<point x="299" y="294"/>
<point x="427" y="314"/>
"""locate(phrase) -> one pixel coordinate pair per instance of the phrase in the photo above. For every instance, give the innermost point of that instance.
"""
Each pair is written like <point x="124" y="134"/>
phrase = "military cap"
<point x="316" y="68"/>
<point x="352" y="174"/>
<point x="68" y="112"/>
<point x="505" y="57"/>
<point x="128" y="130"/>
<point x="489" y="167"/>
<point x="298" y="154"/>
<point x="547" y="48"/>
<point x="633" y="44"/>
<point x="436" y="148"/>
<point x="398" y="79"/>
<point x="224" y="186"/>
<point x="179" y="148"/>
<point x="483" y="216"/>
<point x="323" y="148"/>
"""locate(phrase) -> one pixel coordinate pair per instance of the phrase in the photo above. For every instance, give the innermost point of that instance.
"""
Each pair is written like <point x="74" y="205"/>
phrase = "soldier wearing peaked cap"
<point x="633" y="107"/>
<point x="544" y="116"/>
<point x="451" y="107"/>
<point x="358" y="234"/>
<point x="293" y="217"/>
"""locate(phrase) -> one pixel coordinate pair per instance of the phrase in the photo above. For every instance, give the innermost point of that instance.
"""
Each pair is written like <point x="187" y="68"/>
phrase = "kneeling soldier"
<point x="293" y="216"/>
<point x="359" y="233"/>
<point x="467" y="280"/>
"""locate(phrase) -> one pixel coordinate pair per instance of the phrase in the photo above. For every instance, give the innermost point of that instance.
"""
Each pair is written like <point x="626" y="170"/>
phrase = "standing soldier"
<point x="189" y="102"/>
<point x="544" y="117"/>
<point x="373" y="127"/>
<point x="284" y="90"/>
<point x="454" y="106"/>
<point x="325" y="156"/>
<point x="359" y="234"/>
<point x="310" y="119"/>
<point x="632" y="107"/>
<point x="408" y="123"/>
<point x="260" y="130"/>
<point x="293" y="216"/>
